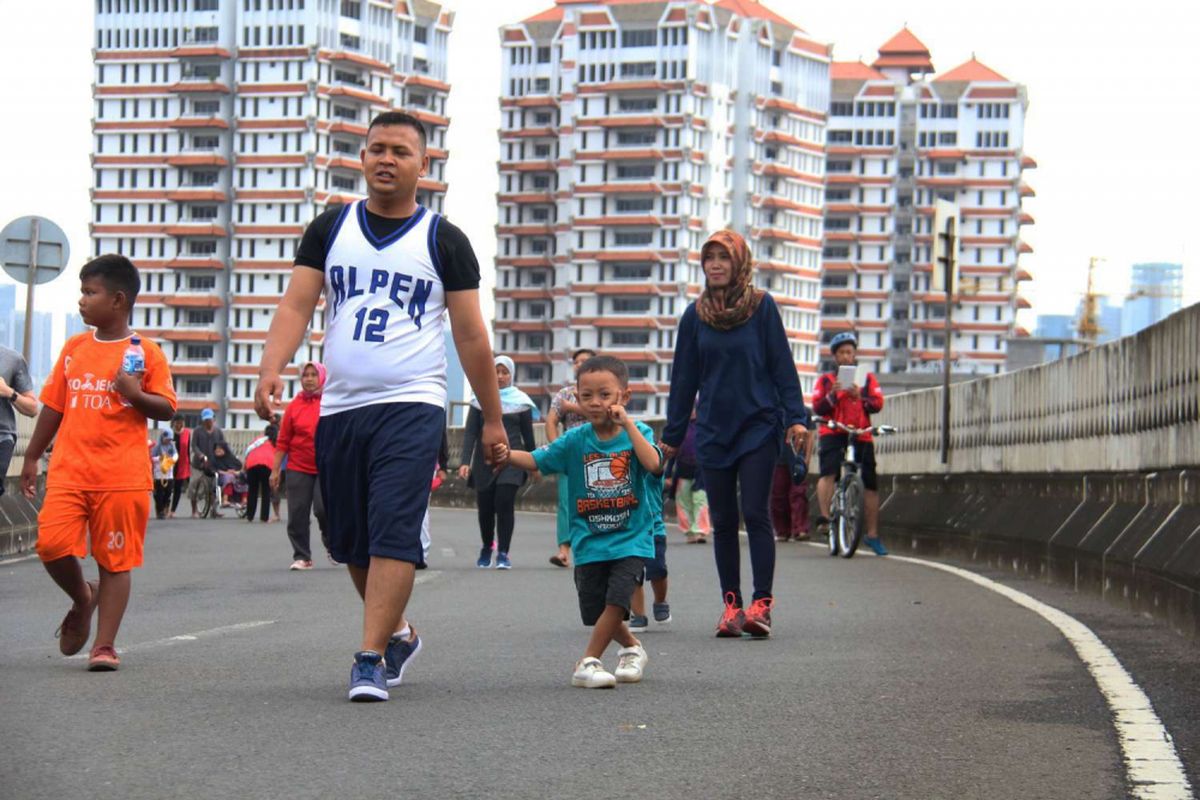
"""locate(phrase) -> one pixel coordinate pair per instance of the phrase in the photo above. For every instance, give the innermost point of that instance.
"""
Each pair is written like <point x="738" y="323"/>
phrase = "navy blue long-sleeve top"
<point x="747" y="382"/>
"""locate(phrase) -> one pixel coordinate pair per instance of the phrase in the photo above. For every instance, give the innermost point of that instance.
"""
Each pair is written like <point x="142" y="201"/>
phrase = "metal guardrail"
<point x="1130" y="405"/>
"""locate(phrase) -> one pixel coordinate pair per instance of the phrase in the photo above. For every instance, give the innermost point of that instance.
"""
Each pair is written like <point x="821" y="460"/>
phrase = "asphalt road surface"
<point x="884" y="679"/>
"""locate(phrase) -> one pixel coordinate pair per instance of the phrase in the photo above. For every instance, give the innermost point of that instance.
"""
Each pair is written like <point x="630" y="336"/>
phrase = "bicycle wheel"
<point x="850" y="525"/>
<point x="207" y="505"/>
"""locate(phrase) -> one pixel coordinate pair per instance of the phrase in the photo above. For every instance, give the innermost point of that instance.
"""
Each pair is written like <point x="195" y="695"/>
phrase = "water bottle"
<point x="133" y="362"/>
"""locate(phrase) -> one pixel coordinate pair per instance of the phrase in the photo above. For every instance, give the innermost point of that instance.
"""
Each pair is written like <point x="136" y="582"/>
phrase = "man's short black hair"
<point x="607" y="364"/>
<point x="401" y="118"/>
<point x="581" y="351"/>
<point x="116" y="272"/>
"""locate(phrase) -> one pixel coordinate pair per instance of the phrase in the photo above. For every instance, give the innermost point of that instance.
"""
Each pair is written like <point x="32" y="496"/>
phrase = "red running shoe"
<point x="730" y="626"/>
<point x="758" y="618"/>
<point x="103" y="658"/>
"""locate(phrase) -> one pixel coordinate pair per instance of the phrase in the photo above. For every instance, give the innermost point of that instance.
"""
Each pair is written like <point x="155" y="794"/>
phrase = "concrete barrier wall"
<point x="1130" y="405"/>
<point x="1133" y="538"/>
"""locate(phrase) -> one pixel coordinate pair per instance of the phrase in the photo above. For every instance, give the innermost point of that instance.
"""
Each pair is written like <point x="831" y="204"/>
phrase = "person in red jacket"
<point x="259" y="462"/>
<point x="852" y="406"/>
<point x="297" y="443"/>
<point x="183" y="467"/>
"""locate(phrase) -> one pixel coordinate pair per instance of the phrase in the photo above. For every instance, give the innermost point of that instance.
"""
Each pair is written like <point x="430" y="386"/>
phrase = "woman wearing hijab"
<point x="297" y="443"/>
<point x="163" y="456"/>
<point x="497" y="492"/>
<point x="732" y="348"/>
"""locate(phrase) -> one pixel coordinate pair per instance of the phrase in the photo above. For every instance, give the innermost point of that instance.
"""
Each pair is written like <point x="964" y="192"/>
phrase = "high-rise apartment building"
<point x="899" y="138"/>
<point x="1155" y="293"/>
<point x="222" y="127"/>
<point x="629" y="131"/>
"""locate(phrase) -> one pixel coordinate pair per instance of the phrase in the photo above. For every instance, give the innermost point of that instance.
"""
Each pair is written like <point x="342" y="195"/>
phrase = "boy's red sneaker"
<point x="758" y="618"/>
<point x="104" y="658"/>
<point x="76" y="626"/>
<point x="732" y="620"/>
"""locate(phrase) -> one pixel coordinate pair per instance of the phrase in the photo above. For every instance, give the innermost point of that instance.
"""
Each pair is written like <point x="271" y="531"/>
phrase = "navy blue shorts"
<point x="375" y="466"/>
<point x="656" y="568"/>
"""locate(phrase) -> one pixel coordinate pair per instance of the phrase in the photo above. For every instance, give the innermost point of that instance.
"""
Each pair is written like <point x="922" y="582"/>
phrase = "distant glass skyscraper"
<point x="1155" y="292"/>
<point x="1055" y="326"/>
<point x="12" y="333"/>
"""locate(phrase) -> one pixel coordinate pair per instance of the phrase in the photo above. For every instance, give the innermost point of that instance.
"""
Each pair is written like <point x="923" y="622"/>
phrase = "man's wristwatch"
<point x="12" y="398"/>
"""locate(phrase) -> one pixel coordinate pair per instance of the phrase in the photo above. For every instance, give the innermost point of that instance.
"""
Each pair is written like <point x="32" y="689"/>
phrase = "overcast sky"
<point x="1113" y="117"/>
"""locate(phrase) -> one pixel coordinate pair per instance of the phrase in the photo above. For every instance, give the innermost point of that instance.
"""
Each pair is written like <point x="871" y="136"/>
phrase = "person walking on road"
<point x="163" y="457"/>
<point x="789" y="493"/>
<point x="390" y="269"/>
<point x="297" y="443"/>
<point x="183" y="464"/>
<point x="732" y="348"/>
<point x="687" y="484"/>
<point x="564" y="415"/>
<point x="496" y="493"/>
<point x="259" y="461"/>
<point x="16" y="395"/>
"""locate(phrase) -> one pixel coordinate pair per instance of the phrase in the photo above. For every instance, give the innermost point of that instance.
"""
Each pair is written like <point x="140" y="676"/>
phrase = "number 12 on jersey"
<point x="369" y="324"/>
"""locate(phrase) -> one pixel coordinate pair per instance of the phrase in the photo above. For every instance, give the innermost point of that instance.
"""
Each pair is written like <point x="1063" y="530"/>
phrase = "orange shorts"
<point x="114" y="522"/>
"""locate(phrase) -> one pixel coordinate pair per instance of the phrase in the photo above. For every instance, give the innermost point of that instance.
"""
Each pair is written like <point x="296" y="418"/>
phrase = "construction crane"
<point x="1089" y="319"/>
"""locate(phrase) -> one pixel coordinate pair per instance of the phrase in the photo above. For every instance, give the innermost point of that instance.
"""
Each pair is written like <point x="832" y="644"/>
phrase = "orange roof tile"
<point x="549" y="15"/>
<point x="854" y="71"/>
<point x="973" y="70"/>
<point x="754" y="10"/>
<point x="904" y="42"/>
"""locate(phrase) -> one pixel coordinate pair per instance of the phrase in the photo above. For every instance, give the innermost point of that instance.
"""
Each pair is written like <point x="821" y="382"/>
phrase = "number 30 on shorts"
<point x="116" y="540"/>
<point x="369" y="324"/>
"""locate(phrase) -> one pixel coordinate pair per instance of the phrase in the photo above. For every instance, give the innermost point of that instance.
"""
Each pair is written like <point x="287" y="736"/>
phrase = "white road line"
<point x="17" y="560"/>
<point x="191" y="637"/>
<point x="1151" y="763"/>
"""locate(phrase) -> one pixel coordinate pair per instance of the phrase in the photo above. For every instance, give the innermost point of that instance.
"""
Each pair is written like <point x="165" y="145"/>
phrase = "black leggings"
<point x="497" y="502"/>
<point x="258" y="482"/>
<point x="179" y="484"/>
<point x="752" y="473"/>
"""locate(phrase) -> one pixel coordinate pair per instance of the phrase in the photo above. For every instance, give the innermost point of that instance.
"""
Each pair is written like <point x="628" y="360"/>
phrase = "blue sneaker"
<point x="367" y="682"/>
<point x="398" y="655"/>
<point x="876" y="545"/>
<point x="502" y="561"/>
<point x="485" y="558"/>
<point x="638" y="623"/>
<point x="662" y="613"/>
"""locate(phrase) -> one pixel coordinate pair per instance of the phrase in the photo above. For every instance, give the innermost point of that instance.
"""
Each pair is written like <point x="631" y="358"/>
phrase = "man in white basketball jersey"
<point x="389" y="268"/>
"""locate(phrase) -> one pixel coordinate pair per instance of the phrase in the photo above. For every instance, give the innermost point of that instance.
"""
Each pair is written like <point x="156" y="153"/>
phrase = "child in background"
<point x="789" y="496"/>
<point x="98" y="484"/>
<point x="163" y="457"/>
<point x="606" y="464"/>
<point x="656" y="568"/>
<point x="691" y="502"/>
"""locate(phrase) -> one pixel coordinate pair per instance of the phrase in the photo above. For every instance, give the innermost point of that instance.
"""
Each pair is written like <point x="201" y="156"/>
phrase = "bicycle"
<point x="847" y="510"/>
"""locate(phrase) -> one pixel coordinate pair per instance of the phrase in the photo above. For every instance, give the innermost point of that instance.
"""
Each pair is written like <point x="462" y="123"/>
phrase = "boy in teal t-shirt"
<point x="606" y="465"/>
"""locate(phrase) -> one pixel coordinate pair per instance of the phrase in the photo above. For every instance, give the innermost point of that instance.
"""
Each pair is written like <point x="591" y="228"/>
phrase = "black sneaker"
<point x="638" y="623"/>
<point x="662" y="613"/>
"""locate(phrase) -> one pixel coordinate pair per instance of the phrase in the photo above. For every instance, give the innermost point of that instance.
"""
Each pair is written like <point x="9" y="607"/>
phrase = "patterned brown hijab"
<point x="726" y="310"/>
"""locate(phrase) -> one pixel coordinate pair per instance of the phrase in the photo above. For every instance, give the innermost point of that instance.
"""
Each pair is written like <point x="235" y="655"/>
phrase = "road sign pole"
<point x="27" y="349"/>
<point x="950" y="235"/>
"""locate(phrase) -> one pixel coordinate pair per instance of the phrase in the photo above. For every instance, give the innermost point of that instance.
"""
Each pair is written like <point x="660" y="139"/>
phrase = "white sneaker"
<point x="591" y="674"/>
<point x="632" y="663"/>
<point x="299" y="564"/>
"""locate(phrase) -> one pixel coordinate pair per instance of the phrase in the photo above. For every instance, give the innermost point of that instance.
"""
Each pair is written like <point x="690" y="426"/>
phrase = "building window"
<point x="207" y="34"/>
<point x="199" y="283"/>
<point x="351" y="9"/>
<point x="199" y="352"/>
<point x="201" y="316"/>
<point x="642" y="38"/>
<point x="202" y="247"/>
<point x="352" y="42"/>
<point x="639" y="69"/>
<point x="421" y="34"/>
<point x="543" y="55"/>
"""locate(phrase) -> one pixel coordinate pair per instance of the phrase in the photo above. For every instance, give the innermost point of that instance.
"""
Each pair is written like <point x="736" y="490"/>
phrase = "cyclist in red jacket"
<point x="852" y="406"/>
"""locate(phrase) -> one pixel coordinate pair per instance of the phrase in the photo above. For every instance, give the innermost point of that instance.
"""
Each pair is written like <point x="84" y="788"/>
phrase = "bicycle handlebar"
<point x="877" y="430"/>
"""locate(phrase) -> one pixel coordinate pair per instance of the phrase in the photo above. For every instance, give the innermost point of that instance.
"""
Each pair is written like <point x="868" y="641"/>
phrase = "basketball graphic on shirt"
<point x="619" y="467"/>
<point x="610" y="498"/>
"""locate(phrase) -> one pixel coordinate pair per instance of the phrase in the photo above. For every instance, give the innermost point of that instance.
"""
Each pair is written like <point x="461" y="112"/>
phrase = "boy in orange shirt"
<point x="98" y="485"/>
